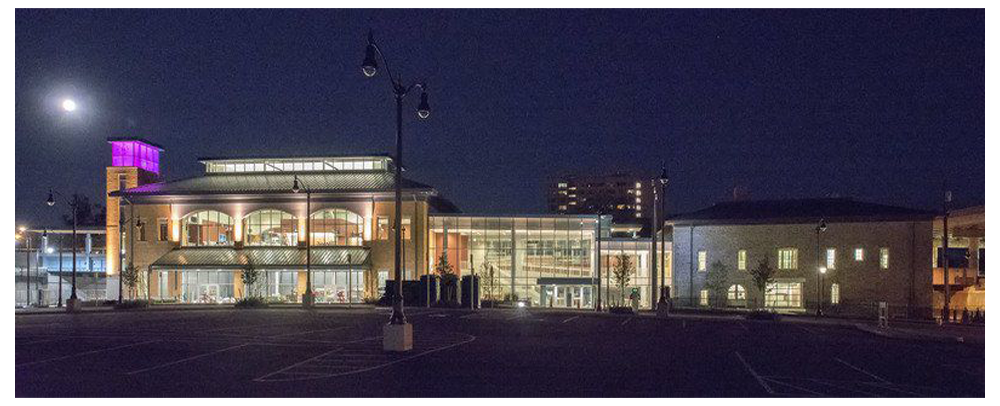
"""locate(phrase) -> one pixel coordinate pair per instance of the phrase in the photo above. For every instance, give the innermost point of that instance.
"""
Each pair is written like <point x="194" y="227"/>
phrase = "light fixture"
<point x="51" y="201"/>
<point x="295" y="185"/>
<point x="822" y="269"/>
<point x="424" y="109"/>
<point x="49" y="250"/>
<point x="822" y="225"/>
<point x="370" y="66"/>
<point x="22" y="228"/>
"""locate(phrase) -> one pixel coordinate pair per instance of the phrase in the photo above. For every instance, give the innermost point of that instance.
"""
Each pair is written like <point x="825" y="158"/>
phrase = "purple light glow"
<point x="135" y="153"/>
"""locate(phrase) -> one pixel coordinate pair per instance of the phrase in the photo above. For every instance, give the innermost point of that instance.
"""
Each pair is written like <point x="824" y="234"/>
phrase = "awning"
<point x="263" y="258"/>
<point x="566" y="281"/>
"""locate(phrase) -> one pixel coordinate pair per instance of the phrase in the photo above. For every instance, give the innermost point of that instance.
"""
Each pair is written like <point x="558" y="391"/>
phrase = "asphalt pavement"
<point x="485" y="353"/>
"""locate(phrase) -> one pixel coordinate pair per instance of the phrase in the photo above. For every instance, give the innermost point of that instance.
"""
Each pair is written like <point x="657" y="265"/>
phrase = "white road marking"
<point x="859" y="369"/>
<point x="186" y="359"/>
<point x="570" y="319"/>
<point x="625" y="321"/>
<point x="759" y="378"/>
<point x="85" y="353"/>
<point x="306" y="332"/>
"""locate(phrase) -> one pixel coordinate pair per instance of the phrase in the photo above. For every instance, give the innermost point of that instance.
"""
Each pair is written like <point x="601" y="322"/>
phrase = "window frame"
<point x="793" y="259"/>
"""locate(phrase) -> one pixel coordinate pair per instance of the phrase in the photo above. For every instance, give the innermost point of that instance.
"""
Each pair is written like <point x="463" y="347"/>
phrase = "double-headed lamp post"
<point x="821" y="268"/>
<point x="398" y="335"/>
<point x="73" y="304"/>
<point x="307" y="297"/>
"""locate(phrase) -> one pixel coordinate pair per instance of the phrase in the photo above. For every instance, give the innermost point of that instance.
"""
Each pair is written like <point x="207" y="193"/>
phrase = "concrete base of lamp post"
<point x="397" y="337"/>
<point x="663" y="308"/>
<point x="74" y="305"/>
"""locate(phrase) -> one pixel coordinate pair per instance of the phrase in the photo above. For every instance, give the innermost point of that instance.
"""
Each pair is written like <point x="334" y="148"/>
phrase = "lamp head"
<point x="370" y="65"/>
<point x="663" y="175"/>
<point x="424" y="108"/>
<point x="51" y="201"/>
<point x="295" y="185"/>
<point x="822" y="270"/>
<point x="822" y="226"/>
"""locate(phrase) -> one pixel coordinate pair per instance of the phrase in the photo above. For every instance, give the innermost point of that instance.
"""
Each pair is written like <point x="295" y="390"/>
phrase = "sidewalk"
<point x="182" y="307"/>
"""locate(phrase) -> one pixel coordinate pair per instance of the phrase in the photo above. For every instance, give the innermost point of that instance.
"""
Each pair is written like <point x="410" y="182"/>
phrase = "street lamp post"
<point x="822" y="269"/>
<point x="307" y="297"/>
<point x="398" y="334"/>
<point x="60" y="270"/>
<point x="27" y="272"/>
<point x="660" y="197"/>
<point x="73" y="304"/>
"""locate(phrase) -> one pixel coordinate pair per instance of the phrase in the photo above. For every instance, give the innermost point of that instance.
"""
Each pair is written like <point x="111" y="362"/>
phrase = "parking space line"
<point x="570" y="319"/>
<point x="759" y="378"/>
<point x="305" y="332"/>
<point x="859" y="369"/>
<point x="85" y="353"/>
<point x="626" y="321"/>
<point x="186" y="359"/>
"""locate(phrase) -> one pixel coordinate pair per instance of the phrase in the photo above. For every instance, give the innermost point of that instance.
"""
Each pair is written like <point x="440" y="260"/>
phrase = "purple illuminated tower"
<point x="134" y="162"/>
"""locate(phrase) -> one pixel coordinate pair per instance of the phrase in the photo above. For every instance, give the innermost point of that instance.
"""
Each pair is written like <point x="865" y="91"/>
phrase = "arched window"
<point x="336" y="227"/>
<point x="737" y="295"/>
<point x="271" y="227"/>
<point x="207" y="227"/>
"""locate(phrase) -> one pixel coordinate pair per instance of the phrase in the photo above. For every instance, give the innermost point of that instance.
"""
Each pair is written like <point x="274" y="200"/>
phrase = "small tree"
<point x="130" y="277"/>
<point x="762" y="275"/>
<point x="622" y="273"/>
<point x="250" y="276"/>
<point x="716" y="282"/>
<point x="449" y="279"/>
<point x="489" y="272"/>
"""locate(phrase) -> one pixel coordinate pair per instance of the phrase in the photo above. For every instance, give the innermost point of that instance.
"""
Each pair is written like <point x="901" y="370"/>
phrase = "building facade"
<point x="628" y="198"/>
<point x="843" y="255"/>
<point x="966" y="260"/>
<point x="192" y="239"/>
<point x="51" y="264"/>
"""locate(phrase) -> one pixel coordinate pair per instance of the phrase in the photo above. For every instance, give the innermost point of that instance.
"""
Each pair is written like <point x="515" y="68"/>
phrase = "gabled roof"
<point x="275" y="182"/>
<point x="797" y="210"/>
<point x="262" y="257"/>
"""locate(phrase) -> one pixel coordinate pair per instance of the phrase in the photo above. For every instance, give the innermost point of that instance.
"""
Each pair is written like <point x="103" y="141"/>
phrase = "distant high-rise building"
<point x="627" y="197"/>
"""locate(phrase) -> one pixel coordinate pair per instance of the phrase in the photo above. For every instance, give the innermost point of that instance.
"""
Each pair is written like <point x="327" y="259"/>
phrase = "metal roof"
<point x="262" y="257"/>
<point x="275" y="182"/>
<point x="798" y="210"/>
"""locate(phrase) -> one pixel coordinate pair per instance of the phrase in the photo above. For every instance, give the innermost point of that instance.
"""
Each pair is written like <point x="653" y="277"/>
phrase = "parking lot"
<point x="495" y="353"/>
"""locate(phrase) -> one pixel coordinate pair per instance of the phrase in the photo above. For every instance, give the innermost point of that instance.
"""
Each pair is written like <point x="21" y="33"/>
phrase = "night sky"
<point x="877" y="105"/>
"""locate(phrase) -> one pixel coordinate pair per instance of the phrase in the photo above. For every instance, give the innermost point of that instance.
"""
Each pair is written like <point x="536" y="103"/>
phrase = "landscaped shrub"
<point x="132" y="304"/>
<point x="252" y="302"/>
<point x="761" y="315"/>
<point x="620" y="310"/>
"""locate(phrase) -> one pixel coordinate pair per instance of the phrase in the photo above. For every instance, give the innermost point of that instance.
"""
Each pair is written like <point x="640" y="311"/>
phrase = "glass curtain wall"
<point x="631" y="255"/>
<point x="338" y="286"/>
<point x="521" y="259"/>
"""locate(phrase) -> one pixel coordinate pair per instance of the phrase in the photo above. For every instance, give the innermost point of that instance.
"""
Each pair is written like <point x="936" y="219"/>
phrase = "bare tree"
<point x="762" y="275"/>
<point x="622" y="273"/>
<point x="716" y="282"/>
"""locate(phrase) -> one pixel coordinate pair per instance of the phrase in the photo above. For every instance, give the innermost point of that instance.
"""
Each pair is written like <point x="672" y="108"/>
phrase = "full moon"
<point x="68" y="105"/>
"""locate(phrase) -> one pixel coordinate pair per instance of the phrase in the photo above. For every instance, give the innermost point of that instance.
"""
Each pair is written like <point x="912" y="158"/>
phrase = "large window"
<point x="788" y="258"/>
<point x="737" y="295"/>
<point x="207" y="228"/>
<point x="741" y="260"/>
<point x="336" y="227"/>
<point x="859" y="254"/>
<point x="831" y="258"/>
<point x="835" y="293"/>
<point x="702" y="261"/>
<point x="203" y="286"/>
<point x="784" y="294"/>
<point x="271" y="228"/>
<point x="883" y="258"/>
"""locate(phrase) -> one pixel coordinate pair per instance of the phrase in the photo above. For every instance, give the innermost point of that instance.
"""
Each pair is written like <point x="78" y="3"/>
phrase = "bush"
<point x="132" y="304"/>
<point x="620" y="310"/>
<point x="761" y="315"/>
<point x="251" y="303"/>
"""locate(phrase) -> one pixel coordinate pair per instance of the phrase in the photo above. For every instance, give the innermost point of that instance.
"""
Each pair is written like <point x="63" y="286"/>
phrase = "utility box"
<point x="470" y="292"/>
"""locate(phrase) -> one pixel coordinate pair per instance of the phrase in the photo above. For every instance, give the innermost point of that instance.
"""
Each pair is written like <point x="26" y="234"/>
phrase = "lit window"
<point x="835" y="293"/>
<point x="859" y="254"/>
<point x="638" y="192"/>
<point x="207" y="228"/>
<point x="788" y="258"/>
<point x="638" y="215"/>
<point x="638" y="200"/>
<point x="831" y="258"/>
<point x="638" y="185"/>
<point x="703" y="297"/>
<point x="883" y="258"/>
<point x="702" y="261"/>
<point x="163" y="231"/>
<point x="741" y="260"/>
<point x="267" y="228"/>
<point x="336" y="227"/>
<point x="737" y="295"/>
<point x="562" y="185"/>
<point x="562" y="207"/>
<point x="382" y="231"/>
<point x="783" y="294"/>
